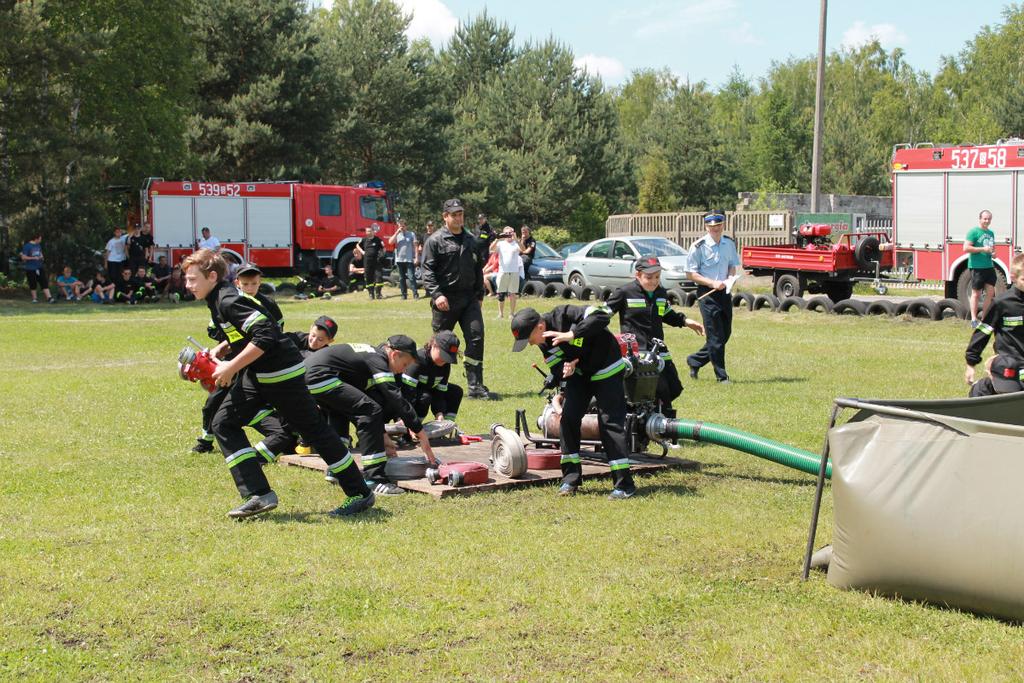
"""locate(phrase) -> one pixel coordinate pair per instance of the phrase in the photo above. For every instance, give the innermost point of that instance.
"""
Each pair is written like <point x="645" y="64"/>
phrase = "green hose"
<point x="720" y="435"/>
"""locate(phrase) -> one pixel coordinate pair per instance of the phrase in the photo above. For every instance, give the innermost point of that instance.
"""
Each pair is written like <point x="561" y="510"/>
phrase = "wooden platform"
<point x="481" y="452"/>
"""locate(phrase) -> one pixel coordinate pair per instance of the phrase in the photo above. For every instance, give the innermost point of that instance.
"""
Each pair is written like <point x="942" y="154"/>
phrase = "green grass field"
<point x="117" y="560"/>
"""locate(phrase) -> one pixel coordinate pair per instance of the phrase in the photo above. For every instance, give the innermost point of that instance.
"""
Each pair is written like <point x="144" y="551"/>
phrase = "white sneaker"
<point x="386" y="488"/>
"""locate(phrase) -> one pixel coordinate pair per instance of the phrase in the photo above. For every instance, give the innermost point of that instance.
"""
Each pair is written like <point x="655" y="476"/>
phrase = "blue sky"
<point x="704" y="39"/>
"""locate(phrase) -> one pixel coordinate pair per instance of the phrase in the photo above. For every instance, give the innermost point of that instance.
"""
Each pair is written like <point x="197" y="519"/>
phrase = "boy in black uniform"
<point x="357" y="382"/>
<point x="453" y="278"/>
<point x="270" y="371"/>
<point x="124" y="293"/>
<point x="578" y="347"/>
<point x="330" y="284"/>
<point x="321" y="333"/>
<point x="1005" y="319"/>
<point x="425" y="382"/>
<point x="643" y="307"/>
<point x="371" y="249"/>
<point x="143" y="286"/>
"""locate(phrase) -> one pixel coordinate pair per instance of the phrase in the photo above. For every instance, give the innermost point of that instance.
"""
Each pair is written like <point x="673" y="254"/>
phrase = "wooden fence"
<point x="748" y="228"/>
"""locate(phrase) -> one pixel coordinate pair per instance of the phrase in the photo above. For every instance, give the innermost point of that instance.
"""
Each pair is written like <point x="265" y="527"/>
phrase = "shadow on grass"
<point x="12" y="309"/>
<point x="374" y="515"/>
<point x="810" y="480"/>
<point x="770" y="380"/>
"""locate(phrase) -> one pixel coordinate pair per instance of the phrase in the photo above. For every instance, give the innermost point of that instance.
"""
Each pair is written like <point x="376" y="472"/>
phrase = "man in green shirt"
<point x="979" y="246"/>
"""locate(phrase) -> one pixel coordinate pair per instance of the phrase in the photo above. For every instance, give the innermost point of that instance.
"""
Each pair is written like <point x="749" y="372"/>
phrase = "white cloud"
<point x="431" y="19"/>
<point x="688" y="19"/>
<point x="609" y="69"/>
<point x="860" y="34"/>
<point x="743" y="35"/>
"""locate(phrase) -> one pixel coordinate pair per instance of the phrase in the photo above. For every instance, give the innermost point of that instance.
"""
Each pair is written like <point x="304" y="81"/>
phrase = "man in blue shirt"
<point x="32" y="262"/>
<point x="711" y="261"/>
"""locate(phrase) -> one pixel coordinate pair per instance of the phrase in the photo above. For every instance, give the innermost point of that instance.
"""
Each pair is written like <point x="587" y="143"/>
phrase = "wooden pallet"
<point x="481" y="452"/>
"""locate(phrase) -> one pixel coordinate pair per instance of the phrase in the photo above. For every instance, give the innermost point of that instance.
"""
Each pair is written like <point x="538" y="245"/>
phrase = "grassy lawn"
<point x="117" y="561"/>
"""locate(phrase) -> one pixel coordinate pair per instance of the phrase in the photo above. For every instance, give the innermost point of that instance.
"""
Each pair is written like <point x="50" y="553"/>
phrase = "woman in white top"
<point x="509" y="265"/>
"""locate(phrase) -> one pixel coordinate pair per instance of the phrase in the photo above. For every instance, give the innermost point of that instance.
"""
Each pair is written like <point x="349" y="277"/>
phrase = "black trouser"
<point x="344" y="404"/>
<point x="371" y="275"/>
<point x="610" y="398"/>
<point x="716" y="310"/>
<point x="983" y="387"/>
<point x="464" y="309"/>
<point x="291" y="399"/>
<point x="438" y="402"/>
<point x="279" y="439"/>
<point x="114" y="269"/>
<point x="407" y="272"/>
<point x="669" y="387"/>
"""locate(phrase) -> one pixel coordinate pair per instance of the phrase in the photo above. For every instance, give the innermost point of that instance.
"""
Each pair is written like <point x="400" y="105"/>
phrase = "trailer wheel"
<point x="791" y="302"/>
<point x="957" y="309"/>
<point x="850" y="307"/>
<point x="738" y="300"/>
<point x="788" y="285"/>
<point x="769" y="300"/>
<point x="868" y="252"/>
<point x="923" y="308"/>
<point x="533" y="288"/>
<point x="822" y="303"/>
<point x="554" y="289"/>
<point x="881" y="308"/>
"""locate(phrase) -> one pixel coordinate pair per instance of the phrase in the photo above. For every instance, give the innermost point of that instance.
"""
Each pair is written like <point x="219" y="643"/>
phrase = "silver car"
<point x="608" y="262"/>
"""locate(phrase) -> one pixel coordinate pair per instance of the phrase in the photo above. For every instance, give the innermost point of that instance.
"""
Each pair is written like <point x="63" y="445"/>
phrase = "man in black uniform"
<point x="270" y="372"/>
<point x="578" y="347"/>
<point x="371" y="250"/>
<point x="425" y="383"/>
<point x="484" y="239"/>
<point x="643" y="306"/>
<point x="356" y="382"/>
<point x="453" y="278"/>
<point x="330" y="284"/>
<point x="1005" y="320"/>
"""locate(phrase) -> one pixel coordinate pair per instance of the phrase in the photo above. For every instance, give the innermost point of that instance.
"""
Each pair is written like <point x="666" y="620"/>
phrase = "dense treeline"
<point x="96" y="95"/>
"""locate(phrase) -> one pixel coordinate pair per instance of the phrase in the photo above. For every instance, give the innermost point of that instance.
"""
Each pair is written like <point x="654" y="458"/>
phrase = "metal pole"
<point x="813" y="531"/>
<point x="819" y="112"/>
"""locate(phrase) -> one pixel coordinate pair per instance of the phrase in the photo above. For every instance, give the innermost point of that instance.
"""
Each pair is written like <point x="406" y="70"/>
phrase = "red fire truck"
<point x="938" y="193"/>
<point x="283" y="227"/>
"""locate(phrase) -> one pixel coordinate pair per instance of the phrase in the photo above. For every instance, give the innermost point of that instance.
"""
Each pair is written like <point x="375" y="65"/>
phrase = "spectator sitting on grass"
<point x="102" y="288"/>
<point x="124" y="293"/>
<point x="175" y="290"/>
<point x="143" y="286"/>
<point x="329" y="284"/>
<point x="71" y="286"/>
<point x="161" y="273"/>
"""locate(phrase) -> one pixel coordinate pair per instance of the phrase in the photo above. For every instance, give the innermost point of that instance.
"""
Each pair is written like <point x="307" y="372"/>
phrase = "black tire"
<point x="342" y="270"/>
<point x="554" y="289"/>
<point x="286" y="287"/>
<point x="867" y="252"/>
<point x="901" y="307"/>
<point x="576" y="279"/>
<point x="791" y="302"/>
<point x="923" y="308"/>
<point x="850" y="307"/>
<point x="837" y="290"/>
<point x="267" y="288"/>
<point x="881" y="307"/>
<point x="963" y="289"/>
<point x="822" y="303"/>
<point x="787" y="285"/>
<point x="572" y="292"/>
<point x="533" y="288"/>
<point x="743" y="299"/>
<point x="957" y="309"/>
<point x="589" y="292"/>
<point x="675" y="297"/>
<point x="766" y="300"/>
<point x="689" y="299"/>
<point x="606" y="292"/>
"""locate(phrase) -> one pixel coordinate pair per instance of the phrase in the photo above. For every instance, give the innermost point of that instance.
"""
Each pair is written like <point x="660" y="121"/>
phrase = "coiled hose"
<point x="737" y="439"/>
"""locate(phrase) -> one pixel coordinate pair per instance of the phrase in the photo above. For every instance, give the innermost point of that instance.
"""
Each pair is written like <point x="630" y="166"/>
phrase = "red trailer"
<point x="283" y="227"/>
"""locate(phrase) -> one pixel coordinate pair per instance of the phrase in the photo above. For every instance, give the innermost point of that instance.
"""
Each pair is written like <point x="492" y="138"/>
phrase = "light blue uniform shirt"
<point x="711" y="260"/>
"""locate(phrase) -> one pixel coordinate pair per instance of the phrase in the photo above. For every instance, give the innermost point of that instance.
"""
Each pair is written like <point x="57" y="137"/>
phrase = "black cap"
<point x="400" y="342"/>
<point x="648" y="264"/>
<point x="453" y="206"/>
<point x="523" y="324"/>
<point x="248" y="269"/>
<point x="327" y="325"/>
<point x="1005" y="375"/>
<point x="447" y="344"/>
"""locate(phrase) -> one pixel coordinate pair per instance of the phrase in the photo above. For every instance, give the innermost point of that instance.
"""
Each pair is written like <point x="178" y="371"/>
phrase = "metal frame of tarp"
<point x="1005" y="409"/>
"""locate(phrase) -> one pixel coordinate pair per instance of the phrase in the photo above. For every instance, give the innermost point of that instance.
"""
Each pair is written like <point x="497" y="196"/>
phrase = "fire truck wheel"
<point x="589" y="292"/>
<point x="769" y="300"/>
<point x="742" y="299"/>
<point x="788" y="285"/>
<point x="791" y="302"/>
<point x="881" y="308"/>
<point x="923" y="308"/>
<point x="850" y="307"/>
<point x="342" y="270"/>
<point x="867" y="253"/>
<point x="954" y="307"/>
<point x="963" y="288"/>
<point x="554" y="289"/>
<point x="533" y="288"/>
<point x="820" y="303"/>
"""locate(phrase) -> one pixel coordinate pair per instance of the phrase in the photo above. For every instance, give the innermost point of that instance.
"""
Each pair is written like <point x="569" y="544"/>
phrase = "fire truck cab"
<point x="283" y="227"/>
<point x="938" y="192"/>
